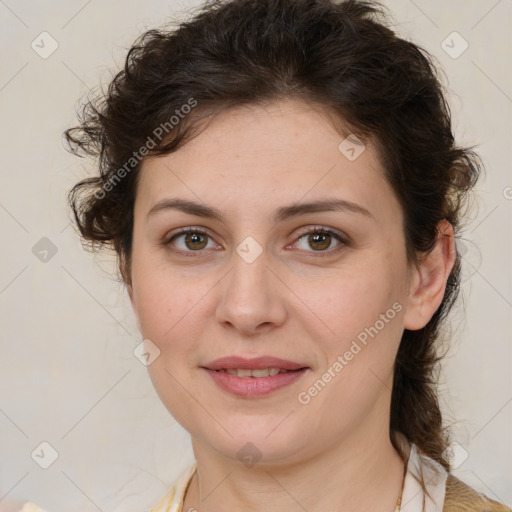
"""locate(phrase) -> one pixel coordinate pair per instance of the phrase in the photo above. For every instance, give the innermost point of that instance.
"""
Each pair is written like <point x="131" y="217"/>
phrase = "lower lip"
<point x="254" y="387"/>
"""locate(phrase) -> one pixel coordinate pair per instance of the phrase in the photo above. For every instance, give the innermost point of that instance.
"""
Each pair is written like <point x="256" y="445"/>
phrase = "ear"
<point x="428" y="282"/>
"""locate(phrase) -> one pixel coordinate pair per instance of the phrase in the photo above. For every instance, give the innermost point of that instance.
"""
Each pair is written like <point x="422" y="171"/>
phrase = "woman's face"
<point x="257" y="283"/>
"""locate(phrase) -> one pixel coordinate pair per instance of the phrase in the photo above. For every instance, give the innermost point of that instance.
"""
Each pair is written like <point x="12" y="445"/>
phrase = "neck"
<point x="361" y="473"/>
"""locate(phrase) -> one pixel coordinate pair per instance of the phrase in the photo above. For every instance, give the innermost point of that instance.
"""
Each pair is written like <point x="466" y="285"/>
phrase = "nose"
<point x="252" y="297"/>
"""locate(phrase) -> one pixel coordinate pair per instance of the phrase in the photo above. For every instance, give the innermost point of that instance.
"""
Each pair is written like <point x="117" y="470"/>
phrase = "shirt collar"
<point x="421" y="468"/>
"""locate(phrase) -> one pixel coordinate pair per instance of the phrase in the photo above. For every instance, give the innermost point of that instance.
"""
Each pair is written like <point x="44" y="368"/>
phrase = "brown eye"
<point x="189" y="240"/>
<point x="320" y="240"/>
<point x="195" y="241"/>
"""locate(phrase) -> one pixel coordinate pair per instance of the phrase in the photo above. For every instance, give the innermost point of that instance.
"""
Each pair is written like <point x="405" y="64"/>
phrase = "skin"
<point x="293" y="301"/>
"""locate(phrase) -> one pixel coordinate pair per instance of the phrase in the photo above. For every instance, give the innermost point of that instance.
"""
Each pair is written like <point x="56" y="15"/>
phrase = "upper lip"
<point x="257" y="363"/>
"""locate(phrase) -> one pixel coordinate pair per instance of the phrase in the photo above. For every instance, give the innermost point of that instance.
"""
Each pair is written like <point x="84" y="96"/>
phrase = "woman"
<point x="280" y="182"/>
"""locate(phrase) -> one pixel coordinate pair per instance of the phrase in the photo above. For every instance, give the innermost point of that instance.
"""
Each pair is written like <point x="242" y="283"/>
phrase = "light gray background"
<point x="68" y="374"/>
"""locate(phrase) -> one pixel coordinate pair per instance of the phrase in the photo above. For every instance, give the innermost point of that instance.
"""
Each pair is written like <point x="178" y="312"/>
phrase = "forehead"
<point x="286" y="149"/>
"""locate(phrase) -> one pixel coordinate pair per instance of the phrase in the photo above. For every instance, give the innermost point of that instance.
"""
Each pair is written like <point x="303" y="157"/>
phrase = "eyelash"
<point x="316" y="230"/>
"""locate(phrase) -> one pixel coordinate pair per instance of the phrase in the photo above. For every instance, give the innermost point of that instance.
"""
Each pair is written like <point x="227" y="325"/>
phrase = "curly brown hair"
<point x="341" y="55"/>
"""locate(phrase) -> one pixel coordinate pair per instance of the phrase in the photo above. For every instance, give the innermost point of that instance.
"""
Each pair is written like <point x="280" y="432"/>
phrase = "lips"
<point x="258" y="363"/>
<point x="254" y="378"/>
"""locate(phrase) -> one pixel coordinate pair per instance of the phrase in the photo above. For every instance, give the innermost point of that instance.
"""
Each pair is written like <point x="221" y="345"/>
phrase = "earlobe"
<point x="429" y="279"/>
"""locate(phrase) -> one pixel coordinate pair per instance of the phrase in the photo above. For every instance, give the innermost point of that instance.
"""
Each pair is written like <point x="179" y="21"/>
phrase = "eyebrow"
<point x="281" y="214"/>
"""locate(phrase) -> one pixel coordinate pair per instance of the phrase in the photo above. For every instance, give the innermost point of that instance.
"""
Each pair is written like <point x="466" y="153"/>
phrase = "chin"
<point x="262" y="443"/>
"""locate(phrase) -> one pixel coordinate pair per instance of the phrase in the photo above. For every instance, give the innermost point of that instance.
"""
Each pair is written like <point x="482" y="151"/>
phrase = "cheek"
<point x="165" y="314"/>
<point x="365" y="313"/>
<point x="353" y="298"/>
<point x="161" y="297"/>
<point x="171" y="313"/>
